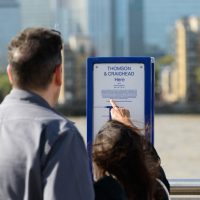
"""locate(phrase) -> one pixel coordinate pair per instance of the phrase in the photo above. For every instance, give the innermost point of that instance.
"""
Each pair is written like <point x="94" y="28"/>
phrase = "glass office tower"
<point x="116" y="27"/>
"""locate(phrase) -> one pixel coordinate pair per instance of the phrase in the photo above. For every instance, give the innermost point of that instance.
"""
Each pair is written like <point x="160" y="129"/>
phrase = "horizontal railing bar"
<point x="185" y="186"/>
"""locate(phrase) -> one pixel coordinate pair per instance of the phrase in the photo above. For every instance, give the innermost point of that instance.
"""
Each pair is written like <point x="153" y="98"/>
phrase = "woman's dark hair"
<point x="121" y="151"/>
<point x="33" y="56"/>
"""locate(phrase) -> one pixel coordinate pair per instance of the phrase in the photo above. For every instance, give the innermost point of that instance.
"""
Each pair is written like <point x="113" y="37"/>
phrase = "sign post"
<point x="129" y="81"/>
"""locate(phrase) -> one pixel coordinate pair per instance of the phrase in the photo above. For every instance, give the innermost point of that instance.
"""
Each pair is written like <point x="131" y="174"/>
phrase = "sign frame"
<point x="148" y="93"/>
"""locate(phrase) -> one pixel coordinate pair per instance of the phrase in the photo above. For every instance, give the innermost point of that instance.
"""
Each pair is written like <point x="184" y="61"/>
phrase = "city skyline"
<point x="119" y="31"/>
<point x="161" y="16"/>
<point x="71" y="18"/>
<point x="180" y="80"/>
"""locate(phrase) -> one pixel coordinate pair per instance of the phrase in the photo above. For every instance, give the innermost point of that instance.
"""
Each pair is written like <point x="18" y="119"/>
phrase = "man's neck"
<point x="46" y="95"/>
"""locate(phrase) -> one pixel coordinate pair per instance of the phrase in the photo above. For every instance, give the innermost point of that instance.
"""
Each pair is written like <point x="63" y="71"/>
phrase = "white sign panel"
<point x="125" y="84"/>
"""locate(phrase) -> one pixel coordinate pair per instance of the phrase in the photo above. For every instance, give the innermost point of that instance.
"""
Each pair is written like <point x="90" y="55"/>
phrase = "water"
<point x="177" y="140"/>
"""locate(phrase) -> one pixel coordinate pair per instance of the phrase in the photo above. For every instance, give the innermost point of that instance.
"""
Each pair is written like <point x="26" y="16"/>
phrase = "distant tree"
<point x="5" y="86"/>
<point x="197" y="76"/>
<point x="165" y="60"/>
<point x="197" y="73"/>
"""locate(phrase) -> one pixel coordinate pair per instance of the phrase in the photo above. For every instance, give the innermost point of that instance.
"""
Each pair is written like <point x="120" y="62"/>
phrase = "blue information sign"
<point x="129" y="81"/>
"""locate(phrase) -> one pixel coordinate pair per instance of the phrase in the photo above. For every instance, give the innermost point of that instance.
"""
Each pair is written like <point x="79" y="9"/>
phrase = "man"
<point x="42" y="155"/>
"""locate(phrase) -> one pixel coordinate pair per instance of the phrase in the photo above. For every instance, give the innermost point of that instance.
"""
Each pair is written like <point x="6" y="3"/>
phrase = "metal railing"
<point x="188" y="187"/>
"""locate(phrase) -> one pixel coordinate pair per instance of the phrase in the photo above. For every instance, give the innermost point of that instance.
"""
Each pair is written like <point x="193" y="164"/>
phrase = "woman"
<point x="123" y="165"/>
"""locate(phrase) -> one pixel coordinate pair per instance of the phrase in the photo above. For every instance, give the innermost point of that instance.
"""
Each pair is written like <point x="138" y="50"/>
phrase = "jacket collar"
<point x="26" y="96"/>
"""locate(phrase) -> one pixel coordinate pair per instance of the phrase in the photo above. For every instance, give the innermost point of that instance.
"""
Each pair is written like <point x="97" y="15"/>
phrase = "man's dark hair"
<point x="33" y="56"/>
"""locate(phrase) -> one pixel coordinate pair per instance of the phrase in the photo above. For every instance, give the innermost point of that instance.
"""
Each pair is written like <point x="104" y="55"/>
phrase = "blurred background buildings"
<point x="116" y="28"/>
<point x="10" y="23"/>
<point x="168" y="30"/>
<point x="180" y="82"/>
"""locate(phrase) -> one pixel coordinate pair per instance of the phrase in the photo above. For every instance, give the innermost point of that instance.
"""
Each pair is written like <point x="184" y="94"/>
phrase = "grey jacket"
<point x="42" y="155"/>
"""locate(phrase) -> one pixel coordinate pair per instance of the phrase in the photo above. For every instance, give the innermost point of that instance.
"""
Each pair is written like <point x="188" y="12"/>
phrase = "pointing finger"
<point x="113" y="104"/>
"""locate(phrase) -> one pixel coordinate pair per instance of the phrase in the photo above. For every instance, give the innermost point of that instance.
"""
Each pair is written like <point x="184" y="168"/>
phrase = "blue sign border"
<point x="149" y="91"/>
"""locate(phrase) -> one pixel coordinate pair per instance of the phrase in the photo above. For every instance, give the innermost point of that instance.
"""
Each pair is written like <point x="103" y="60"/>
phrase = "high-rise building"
<point x="100" y="27"/>
<point x="135" y="33"/>
<point x="180" y="82"/>
<point x="159" y="19"/>
<point x="72" y="17"/>
<point x="116" y="27"/>
<point x="150" y="22"/>
<point x="9" y="25"/>
<point x="187" y="58"/>
<point x="67" y="16"/>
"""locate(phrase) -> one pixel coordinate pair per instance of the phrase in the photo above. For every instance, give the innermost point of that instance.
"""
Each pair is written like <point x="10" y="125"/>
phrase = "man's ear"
<point x="58" y="75"/>
<point x="9" y="73"/>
